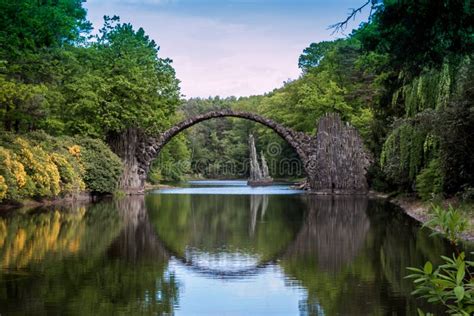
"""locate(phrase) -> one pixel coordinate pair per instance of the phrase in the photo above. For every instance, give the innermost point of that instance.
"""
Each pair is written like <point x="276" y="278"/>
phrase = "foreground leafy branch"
<point x="450" y="284"/>
<point x="447" y="284"/>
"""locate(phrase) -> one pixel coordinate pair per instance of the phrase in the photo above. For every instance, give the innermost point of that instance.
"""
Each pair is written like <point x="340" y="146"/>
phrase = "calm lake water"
<point x="213" y="248"/>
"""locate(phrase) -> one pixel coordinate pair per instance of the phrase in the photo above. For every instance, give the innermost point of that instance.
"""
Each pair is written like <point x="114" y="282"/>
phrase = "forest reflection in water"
<point x="189" y="254"/>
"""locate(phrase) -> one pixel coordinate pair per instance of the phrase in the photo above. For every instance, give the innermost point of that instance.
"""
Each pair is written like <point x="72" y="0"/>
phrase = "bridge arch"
<point x="335" y="160"/>
<point x="299" y="141"/>
<point x="293" y="138"/>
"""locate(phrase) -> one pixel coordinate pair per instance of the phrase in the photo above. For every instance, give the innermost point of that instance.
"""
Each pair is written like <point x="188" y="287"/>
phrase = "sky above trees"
<point x="230" y="47"/>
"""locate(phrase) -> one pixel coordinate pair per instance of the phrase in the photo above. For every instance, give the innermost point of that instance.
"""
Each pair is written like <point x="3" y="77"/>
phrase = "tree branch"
<point x="341" y="26"/>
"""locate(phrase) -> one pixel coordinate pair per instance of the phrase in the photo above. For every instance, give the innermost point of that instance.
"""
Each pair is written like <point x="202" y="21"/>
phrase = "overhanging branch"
<point x="341" y="26"/>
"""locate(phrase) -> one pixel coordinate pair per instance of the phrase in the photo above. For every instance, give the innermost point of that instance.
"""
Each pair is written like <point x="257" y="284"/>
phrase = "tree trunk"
<point x="125" y="145"/>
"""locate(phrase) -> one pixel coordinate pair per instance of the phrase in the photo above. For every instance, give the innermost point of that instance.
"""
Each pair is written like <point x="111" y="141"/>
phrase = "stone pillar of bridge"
<point x="338" y="160"/>
<point x="128" y="146"/>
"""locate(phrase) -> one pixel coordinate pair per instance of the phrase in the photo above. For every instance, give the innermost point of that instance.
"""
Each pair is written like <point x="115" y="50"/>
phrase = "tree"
<point x="313" y="54"/>
<point x="135" y="95"/>
<point x="34" y="38"/>
<point x="29" y="25"/>
<point x="440" y="28"/>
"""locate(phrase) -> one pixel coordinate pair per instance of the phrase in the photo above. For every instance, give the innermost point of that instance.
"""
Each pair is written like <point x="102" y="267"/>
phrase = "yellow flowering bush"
<point x="3" y="188"/>
<point x="20" y="173"/>
<point x="71" y="181"/>
<point x="75" y="150"/>
<point x="17" y="183"/>
<point x="40" y="167"/>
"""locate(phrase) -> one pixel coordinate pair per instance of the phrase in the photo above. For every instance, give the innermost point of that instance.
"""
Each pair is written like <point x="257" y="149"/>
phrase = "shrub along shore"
<point x="39" y="167"/>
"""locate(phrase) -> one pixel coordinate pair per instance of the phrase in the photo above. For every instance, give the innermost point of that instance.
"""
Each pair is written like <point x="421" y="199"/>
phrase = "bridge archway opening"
<point x="294" y="165"/>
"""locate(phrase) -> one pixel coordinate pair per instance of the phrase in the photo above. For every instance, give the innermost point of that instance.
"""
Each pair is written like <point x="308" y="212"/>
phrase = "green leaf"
<point x="459" y="292"/>
<point x="461" y="273"/>
<point x="470" y="309"/>
<point x="428" y="268"/>
<point x="419" y="280"/>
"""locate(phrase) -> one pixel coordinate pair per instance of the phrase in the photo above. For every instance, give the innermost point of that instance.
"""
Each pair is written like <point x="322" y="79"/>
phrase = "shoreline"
<point x="83" y="198"/>
<point x="151" y="187"/>
<point x="419" y="210"/>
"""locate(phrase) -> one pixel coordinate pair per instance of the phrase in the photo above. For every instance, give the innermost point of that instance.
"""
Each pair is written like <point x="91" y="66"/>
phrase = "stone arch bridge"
<point x="335" y="159"/>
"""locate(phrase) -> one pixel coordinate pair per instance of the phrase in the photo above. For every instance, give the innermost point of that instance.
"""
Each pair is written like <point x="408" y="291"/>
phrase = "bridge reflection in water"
<point x="334" y="231"/>
<point x="344" y="253"/>
<point x="137" y="240"/>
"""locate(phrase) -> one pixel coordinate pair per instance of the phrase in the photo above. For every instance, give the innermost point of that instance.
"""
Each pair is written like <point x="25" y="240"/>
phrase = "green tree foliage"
<point x="20" y="103"/>
<point x="429" y="182"/>
<point x="438" y="106"/>
<point x="101" y="166"/>
<point x="419" y="53"/>
<point x="456" y="124"/>
<point x="173" y="162"/>
<point x="53" y="78"/>
<point x="419" y="34"/>
<point x="332" y="82"/>
<point x="34" y="24"/>
<point x="313" y="54"/>
<point x="115" y="83"/>
<point x="141" y="88"/>
<point x="35" y="39"/>
<point x="404" y="153"/>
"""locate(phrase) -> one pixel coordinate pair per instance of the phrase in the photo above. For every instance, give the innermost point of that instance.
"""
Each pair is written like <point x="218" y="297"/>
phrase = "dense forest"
<point x="404" y="78"/>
